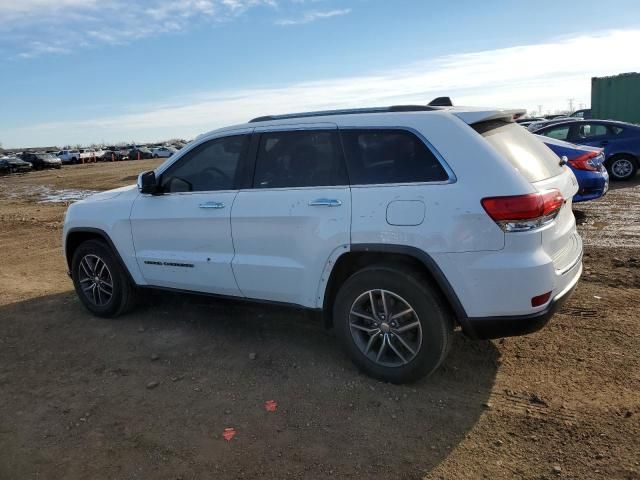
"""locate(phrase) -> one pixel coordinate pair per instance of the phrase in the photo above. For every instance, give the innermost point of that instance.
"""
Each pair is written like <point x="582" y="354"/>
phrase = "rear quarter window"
<point x="532" y="158"/>
<point x="383" y="156"/>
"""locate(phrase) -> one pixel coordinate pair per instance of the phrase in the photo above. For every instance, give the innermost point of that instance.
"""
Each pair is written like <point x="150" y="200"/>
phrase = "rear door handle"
<point x="325" y="202"/>
<point x="604" y="142"/>
<point x="212" y="205"/>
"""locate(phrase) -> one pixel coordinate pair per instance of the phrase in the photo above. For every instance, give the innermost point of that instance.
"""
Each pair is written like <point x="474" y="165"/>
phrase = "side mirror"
<point x="147" y="183"/>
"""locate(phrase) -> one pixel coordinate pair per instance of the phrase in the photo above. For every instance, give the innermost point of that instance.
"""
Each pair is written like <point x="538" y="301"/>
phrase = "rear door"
<point x="540" y="166"/>
<point x="295" y="217"/>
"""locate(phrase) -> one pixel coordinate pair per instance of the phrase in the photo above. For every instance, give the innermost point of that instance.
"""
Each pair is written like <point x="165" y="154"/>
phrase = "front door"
<point x="295" y="218"/>
<point x="182" y="237"/>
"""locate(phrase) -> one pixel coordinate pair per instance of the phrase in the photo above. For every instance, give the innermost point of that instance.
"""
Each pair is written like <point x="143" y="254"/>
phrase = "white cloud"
<point x="71" y="24"/>
<point x="520" y="77"/>
<point x="312" y="16"/>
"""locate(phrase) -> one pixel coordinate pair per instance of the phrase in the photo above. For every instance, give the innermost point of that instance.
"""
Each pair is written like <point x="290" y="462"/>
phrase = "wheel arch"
<point x="76" y="236"/>
<point x="361" y="255"/>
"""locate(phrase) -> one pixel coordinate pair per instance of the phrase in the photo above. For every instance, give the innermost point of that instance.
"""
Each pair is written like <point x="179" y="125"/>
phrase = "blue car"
<point x="621" y="142"/>
<point x="586" y="164"/>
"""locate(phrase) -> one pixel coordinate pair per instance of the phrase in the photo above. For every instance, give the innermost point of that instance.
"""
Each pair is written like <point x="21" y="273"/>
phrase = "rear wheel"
<point x="623" y="168"/>
<point x="392" y="323"/>
<point x="100" y="281"/>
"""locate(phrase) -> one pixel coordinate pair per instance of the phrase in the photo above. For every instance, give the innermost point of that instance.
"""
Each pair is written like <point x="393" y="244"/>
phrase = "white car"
<point x="163" y="152"/>
<point x="397" y="223"/>
<point x="69" y="156"/>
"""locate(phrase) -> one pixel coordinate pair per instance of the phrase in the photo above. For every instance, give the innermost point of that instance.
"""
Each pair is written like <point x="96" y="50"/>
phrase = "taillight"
<point x="520" y="213"/>
<point x="586" y="161"/>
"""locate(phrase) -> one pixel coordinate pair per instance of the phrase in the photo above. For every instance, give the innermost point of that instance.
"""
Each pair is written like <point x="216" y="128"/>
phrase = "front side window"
<point x="589" y="130"/>
<point x="305" y="158"/>
<point x="210" y="166"/>
<point x="379" y="156"/>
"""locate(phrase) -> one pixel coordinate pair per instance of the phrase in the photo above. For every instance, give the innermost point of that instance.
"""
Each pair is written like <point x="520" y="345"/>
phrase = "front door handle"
<point x="604" y="142"/>
<point x="212" y="205"/>
<point x="325" y="202"/>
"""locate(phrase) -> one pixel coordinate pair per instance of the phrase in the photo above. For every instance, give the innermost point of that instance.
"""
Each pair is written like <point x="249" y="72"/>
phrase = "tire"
<point x="422" y="348"/>
<point x="155" y="155"/>
<point x="622" y="168"/>
<point x="122" y="294"/>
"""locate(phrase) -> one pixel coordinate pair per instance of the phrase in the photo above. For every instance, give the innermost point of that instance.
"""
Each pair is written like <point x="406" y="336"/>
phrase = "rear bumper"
<point x="591" y="185"/>
<point x="484" y="328"/>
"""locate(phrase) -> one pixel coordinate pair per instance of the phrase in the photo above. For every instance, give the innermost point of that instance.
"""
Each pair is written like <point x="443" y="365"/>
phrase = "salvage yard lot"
<point x="76" y="402"/>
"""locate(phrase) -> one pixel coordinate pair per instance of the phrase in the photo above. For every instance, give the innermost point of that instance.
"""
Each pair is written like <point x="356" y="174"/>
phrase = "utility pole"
<point x="539" y="110"/>
<point x="571" y="105"/>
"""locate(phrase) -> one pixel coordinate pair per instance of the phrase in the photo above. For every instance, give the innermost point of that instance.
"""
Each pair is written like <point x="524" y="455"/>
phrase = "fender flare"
<point x="102" y="234"/>
<point x="426" y="260"/>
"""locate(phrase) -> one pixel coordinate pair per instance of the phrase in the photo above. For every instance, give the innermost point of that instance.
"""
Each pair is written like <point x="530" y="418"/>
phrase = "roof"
<point x="468" y="115"/>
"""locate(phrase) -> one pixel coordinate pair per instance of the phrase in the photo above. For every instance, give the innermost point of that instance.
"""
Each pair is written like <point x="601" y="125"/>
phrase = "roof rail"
<point x="394" y="108"/>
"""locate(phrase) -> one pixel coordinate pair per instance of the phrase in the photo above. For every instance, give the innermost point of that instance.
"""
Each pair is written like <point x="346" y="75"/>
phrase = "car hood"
<point x="109" y="194"/>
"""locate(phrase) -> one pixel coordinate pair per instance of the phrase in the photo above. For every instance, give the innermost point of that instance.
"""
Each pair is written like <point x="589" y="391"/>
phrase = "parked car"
<point x="11" y="164"/>
<point x="40" y="161"/>
<point x="88" y="155"/>
<point x="584" y="113"/>
<point x="375" y="217"/>
<point x="140" y="153"/>
<point x="111" y="154"/>
<point x="124" y="151"/>
<point x="587" y="164"/>
<point x="621" y="142"/>
<point x="163" y="152"/>
<point x="69" y="156"/>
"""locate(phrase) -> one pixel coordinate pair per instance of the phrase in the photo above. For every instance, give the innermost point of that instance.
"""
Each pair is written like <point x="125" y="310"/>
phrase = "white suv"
<point x="397" y="223"/>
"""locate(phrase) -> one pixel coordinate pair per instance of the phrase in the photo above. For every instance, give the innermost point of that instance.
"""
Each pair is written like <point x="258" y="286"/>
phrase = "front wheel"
<point x="394" y="326"/>
<point x="623" y="168"/>
<point x="100" y="281"/>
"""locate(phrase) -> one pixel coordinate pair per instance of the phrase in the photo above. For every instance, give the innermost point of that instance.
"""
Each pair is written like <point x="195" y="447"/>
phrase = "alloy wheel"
<point x="95" y="280"/>
<point x="385" y="327"/>
<point x="622" y="168"/>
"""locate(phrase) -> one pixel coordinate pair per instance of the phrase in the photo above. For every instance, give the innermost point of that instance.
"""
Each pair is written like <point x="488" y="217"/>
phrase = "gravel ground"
<point x="150" y="395"/>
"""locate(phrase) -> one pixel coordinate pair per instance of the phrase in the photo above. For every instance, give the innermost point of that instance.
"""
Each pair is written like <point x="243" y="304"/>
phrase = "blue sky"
<point x="84" y="71"/>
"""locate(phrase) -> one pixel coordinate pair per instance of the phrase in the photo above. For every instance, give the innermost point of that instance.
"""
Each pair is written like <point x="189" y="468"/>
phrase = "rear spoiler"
<point x="471" y="115"/>
<point x="482" y="115"/>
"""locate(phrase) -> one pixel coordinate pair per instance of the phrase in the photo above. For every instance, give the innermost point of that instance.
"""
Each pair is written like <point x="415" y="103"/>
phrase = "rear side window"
<point x="389" y="156"/>
<point x="305" y="158"/>
<point x="532" y="158"/>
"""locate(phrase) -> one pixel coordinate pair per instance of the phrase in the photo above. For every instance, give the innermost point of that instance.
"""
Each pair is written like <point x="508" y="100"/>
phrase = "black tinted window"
<point x="210" y="166"/>
<point x="389" y="156"/>
<point x="309" y="158"/>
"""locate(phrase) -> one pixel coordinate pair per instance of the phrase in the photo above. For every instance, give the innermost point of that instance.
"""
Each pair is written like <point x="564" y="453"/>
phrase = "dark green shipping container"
<point x="616" y="97"/>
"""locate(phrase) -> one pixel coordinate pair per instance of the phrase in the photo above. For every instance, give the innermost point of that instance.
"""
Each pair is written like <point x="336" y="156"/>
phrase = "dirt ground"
<point x="148" y="396"/>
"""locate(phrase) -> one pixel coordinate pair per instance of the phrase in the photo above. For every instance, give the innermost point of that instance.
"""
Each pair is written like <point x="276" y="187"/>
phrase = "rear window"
<point x="532" y="158"/>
